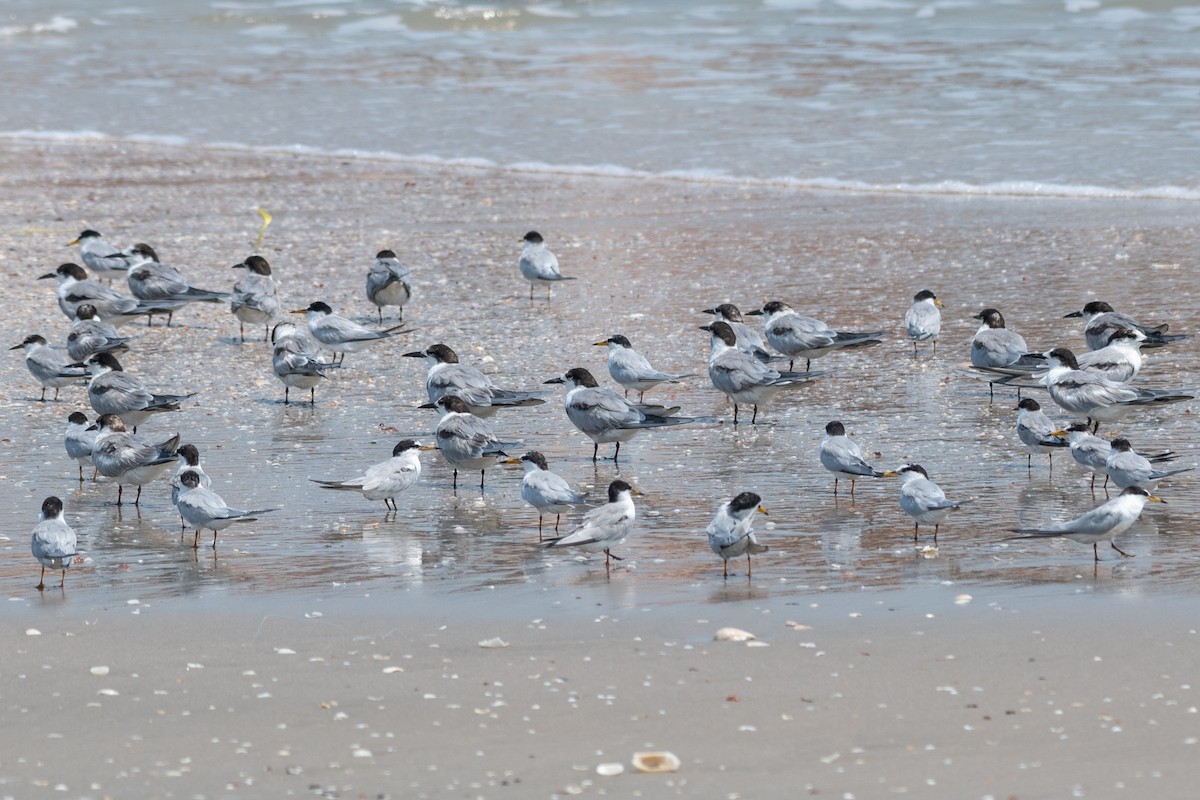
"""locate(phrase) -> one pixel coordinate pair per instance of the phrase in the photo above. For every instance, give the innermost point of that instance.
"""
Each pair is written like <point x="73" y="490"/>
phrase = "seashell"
<point x="662" y="761"/>
<point x="733" y="635"/>
<point x="608" y="770"/>
<point x="493" y="643"/>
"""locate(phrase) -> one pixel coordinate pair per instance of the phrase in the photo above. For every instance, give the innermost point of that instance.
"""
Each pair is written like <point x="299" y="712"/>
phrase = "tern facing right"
<point x="546" y="491"/>
<point x="1104" y="522"/>
<point x="385" y="480"/>
<point x="538" y="265"/>
<point x="730" y="534"/>
<point x="798" y="336"/>
<point x="923" y="320"/>
<point x="922" y="499"/>
<point x="205" y="509"/>
<point x="1037" y="432"/>
<point x="54" y="541"/>
<point x="603" y="526"/>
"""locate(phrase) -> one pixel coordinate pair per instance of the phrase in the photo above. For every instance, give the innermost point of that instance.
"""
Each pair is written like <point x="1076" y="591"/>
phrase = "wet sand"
<point x="889" y="701"/>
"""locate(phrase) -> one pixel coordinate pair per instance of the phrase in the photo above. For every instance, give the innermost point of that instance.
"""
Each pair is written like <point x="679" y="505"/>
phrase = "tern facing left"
<point x="385" y="480"/>
<point x="54" y="541"/>
<point x="465" y="440"/>
<point x="1103" y="523"/>
<point x="798" y="336"/>
<point x="605" y="416"/>
<point x="630" y="368"/>
<point x="1127" y="468"/>
<point x="842" y="456"/>
<point x="922" y="499"/>
<point x="49" y="366"/>
<point x="730" y="534"/>
<point x="447" y="376"/>
<point x="1096" y="397"/>
<point x="923" y="320"/>
<point x="114" y="391"/>
<point x="79" y="440"/>
<point x="339" y="334"/>
<point x="1100" y="321"/>
<point x="255" y="297"/>
<point x="204" y="509"/>
<point x="125" y="458"/>
<point x="546" y="491"/>
<point x="538" y="265"/>
<point x="98" y="255"/>
<point x="742" y="377"/>
<point x="605" y="526"/>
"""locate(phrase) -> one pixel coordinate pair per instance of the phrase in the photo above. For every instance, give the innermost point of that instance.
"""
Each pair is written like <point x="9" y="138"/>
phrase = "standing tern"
<point x="538" y="265"/>
<point x="74" y="288"/>
<point x="339" y="334"/>
<point x="447" y="376"/>
<point x="1102" y="523"/>
<point x="112" y="390"/>
<point x="923" y="319"/>
<point x="48" y="366"/>
<point x="798" y="336"/>
<point x="742" y="377"/>
<point x="89" y="335"/>
<point x="842" y="456"/>
<point x="151" y="281"/>
<point x="79" y="439"/>
<point x="604" y="526"/>
<point x="1120" y="360"/>
<point x="127" y="459"/>
<point x="1095" y="396"/>
<point x="922" y="499"/>
<point x="546" y="491"/>
<point x="388" y="283"/>
<point x="385" y="480"/>
<point x="54" y="542"/>
<point x="630" y="368"/>
<point x="1092" y="452"/>
<point x="204" y="509"/>
<point x="255" y="297"/>
<point x="730" y="534"/>
<point x="295" y="360"/>
<point x="1127" y="468"/>
<point x="1037" y="432"/>
<point x="465" y="440"/>
<point x="604" y="416"/>
<point x="748" y="340"/>
<point x="1100" y="320"/>
<point x="98" y="255"/>
<point x="189" y="459"/>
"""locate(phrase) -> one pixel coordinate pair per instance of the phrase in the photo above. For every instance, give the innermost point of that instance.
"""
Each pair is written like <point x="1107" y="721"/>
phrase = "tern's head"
<point x="533" y="237"/>
<point x="925" y="294"/>
<point x="315" y="309"/>
<point x="255" y="264"/>
<point x="143" y="250"/>
<point x="835" y="428"/>
<point x="282" y="330"/>
<point x="771" y="308"/>
<point x="534" y="459"/>
<point x="616" y="340"/>
<point x="83" y="237"/>
<point x="190" y="479"/>
<point x="722" y="331"/>
<point x="52" y="507"/>
<point x="382" y="254"/>
<point x="1126" y="336"/>
<point x="103" y="362"/>
<point x="436" y="353"/>
<point x="726" y="311"/>
<point x="1029" y="404"/>
<point x="405" y="445"/>
<point x="907" y="472"/>
<point x="77" y="418"/>
<point x="746" y="502"/>
<point x="1121" y="445"/>
<point x="991" y="317"/>
<point x="85" y="311"/>
<point x="1062" y="357"/>
<point x="32" y="340"/>
<point x="576" y="377"/>
<point x="111" y="422"/>
<point x="1137" y="491"/>
<point x="618" y="488"/>
<point x="453" y="404"/>
<point x="67" y="272"/>
<point x="190" y="454"/>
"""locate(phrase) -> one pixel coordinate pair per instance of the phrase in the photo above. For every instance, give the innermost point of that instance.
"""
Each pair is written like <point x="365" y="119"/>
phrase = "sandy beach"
<point x="333" y="650"/>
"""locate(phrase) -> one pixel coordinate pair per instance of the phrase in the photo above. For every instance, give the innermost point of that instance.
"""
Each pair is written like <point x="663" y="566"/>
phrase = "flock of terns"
<point x="1094" y="385"/>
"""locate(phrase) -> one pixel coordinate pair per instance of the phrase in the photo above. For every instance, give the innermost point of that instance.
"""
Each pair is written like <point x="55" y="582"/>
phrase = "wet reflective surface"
<point x="649" y="257"/>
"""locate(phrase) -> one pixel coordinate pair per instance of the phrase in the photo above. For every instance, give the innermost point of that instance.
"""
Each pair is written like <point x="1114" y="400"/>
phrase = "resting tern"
<point x="114" y="391"/>
<point x="1037" y="432"/>
<point x="796" y="335"/>
<point x="923" y="320"/>
<point x="1095" y="396"/>
<point x="74" y="288"/>
<point x="447" y="376"/>
<point x="730" y="534"/>
<point x="922" y="499"/>
<point x="1104" y="522"/>
<point x="54" y="542"/>
<point x="546" y="491"/>
<point x="388" y="284"/>
<point x="742" y="377"/>
<point x="89" y="335"/>
<point x="48" y="366"/>
<point x="538" y="265"/>
<point x="295" y="360"/>
<point x="604" y="526"/>
<point x="151" y="281"/>
<point x="255" y="297"/>
<point x="387" y="479"/>
<point x="204" y="509"/>
<point x="79" y="439"/>
<point x="98" y="255"/>
<point x="842" y="456"/>
<point x="465" y="440"/>
<point x="630" y="368"/>
<point x="1127" y="468"/>
<point x="1100" y="320"/>
<point x="748" y="340"/>
<point x="340" y="334"/>
<point x="125" y="458"/>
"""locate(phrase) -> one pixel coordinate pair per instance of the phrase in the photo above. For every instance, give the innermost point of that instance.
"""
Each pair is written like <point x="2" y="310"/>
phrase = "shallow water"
<point x="649" y="255"/>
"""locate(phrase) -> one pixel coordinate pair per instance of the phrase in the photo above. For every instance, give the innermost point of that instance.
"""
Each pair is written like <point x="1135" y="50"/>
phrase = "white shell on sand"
<point x="733" y="635"/>
<point x="662" y="761"/>
<point x="610" y="769"/>
<point x="493" y="643"/>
